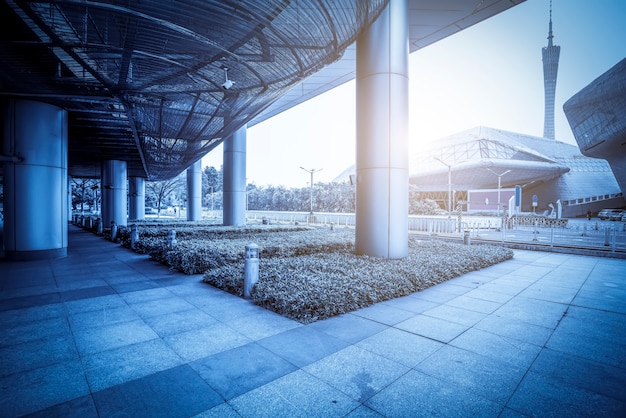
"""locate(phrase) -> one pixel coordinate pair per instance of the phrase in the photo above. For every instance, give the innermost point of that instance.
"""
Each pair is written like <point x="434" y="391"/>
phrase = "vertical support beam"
<point x="194" y="191"/>
<point x="235" y="178"/>
<point x="69" y="199"/>
<point x="137" y="198"/>
<point x="35" y="182"/>
<point x="382" y="135"/>
<point x="113" y="192"/>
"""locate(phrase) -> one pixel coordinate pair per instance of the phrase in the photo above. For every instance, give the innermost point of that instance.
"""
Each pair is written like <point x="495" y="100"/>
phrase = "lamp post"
<point x="311" y="171"/>
<point x="499" y="183"/>
<point x="449" y="185"/>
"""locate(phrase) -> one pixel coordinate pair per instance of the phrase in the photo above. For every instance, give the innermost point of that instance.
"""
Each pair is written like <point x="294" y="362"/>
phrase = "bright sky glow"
<point x="487" y="75"/>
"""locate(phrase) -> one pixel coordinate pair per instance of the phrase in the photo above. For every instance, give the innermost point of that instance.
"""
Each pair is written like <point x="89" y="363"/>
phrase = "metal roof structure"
<point x="161" y="83"/>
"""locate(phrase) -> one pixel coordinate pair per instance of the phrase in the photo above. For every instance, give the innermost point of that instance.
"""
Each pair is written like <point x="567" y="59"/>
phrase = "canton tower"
<point x="550" y="58"/>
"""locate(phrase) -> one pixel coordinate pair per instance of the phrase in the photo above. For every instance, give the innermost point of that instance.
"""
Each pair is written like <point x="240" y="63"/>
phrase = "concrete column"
<point x="382" y="135"/>
<point x="194" y="191"/>
<point x="137" y="198"/>
<point x="235" y="178"/>
<point x="113" y="179"/>
<point x="35" y="180"/>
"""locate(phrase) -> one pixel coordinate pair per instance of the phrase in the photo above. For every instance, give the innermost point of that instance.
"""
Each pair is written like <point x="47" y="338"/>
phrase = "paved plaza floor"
<point x="106" y="332"/>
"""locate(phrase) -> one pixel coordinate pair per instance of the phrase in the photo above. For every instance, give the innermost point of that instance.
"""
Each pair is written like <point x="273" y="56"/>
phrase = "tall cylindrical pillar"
<point x="382" y="135"/>
<point x="235" y="178"/>
<point x="35" y="183"/>
<point x="137" y="198"/>
<point x="113" y="179"/>
<point x="194" y="191"/>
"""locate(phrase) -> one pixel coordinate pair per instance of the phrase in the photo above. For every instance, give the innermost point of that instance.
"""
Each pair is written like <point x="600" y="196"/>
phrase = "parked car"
<point x="616" y="216"/>
<point x="608" y="213"/>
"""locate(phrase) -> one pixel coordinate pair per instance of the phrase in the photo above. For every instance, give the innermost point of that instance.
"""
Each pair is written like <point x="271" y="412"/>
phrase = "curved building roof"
<point x="144" y="81"/>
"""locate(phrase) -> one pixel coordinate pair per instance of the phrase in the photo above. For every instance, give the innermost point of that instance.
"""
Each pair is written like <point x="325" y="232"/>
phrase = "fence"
<point x="570" y="233"/>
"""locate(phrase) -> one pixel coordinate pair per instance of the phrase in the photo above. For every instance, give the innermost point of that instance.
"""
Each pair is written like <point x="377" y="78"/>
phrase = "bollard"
<point x="99" y="226"/>
<point x="134" y="236"/>
<point x="88" y="224"/>
<point x="171" y="239"/>
<point x="113" y="231"/>
<point x="82" y="221"/>
<point x="466" y="237"/>
<point x="251" y="269"/>
<point x="607" y="234"/>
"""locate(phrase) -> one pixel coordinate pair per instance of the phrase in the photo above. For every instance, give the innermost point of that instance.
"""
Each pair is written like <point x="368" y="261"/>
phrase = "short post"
<point x="88" y="222"/>
<point x="466" y="237"/>
<point x="134" y="236"/>
<point x="607" y="235"/>
<point x="99" y="226"/>
<point x="171" y="238"/>
<point x="82" y="221"/>
<point x="251" y="269"/>
<point x="113" y="231"/>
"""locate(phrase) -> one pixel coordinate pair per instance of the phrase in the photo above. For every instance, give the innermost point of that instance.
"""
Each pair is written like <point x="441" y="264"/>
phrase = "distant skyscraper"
<point x="550" y="56"/>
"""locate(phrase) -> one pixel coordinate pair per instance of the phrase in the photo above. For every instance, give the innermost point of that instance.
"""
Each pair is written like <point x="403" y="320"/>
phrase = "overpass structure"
<point x="130" y="91"/>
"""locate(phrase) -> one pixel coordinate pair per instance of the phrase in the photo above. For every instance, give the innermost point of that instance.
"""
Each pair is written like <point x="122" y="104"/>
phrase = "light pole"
<point x="311" y="171"/>
<point x="499" y="183"/>
<point x="449" y="185"/>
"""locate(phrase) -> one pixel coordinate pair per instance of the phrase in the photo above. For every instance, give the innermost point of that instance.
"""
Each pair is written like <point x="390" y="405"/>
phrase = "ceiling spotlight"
<point x="227" y="83"/>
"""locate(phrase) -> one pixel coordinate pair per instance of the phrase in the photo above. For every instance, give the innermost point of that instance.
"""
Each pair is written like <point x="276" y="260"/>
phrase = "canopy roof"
<point x="143" y="81"/>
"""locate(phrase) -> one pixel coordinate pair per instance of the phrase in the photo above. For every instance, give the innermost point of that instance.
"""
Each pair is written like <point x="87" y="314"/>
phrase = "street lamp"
<point x="311" y="171"/>
<point x="499" y="179"/>
<point x="449" y="185"/>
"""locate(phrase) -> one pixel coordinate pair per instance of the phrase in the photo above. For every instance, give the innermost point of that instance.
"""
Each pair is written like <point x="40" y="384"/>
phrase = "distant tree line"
<point x="327" y="197"/>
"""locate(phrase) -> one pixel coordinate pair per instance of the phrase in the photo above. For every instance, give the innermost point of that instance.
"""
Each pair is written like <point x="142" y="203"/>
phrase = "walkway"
<point x="106" y="332"/>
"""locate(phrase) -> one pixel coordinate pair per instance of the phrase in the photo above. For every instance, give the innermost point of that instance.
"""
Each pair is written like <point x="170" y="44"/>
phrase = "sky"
<point x="490" y="74"/>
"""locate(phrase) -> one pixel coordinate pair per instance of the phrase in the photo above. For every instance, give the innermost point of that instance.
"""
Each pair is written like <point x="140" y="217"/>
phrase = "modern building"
<point x="136" y="91"/>
<point x="481" y="158"/>
<point x="597" y="116"/>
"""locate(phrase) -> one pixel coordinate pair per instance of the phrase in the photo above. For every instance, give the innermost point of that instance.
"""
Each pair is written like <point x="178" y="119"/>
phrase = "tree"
<point x="211" y="184"/>
<point x="159" y="191"/>
<point x="83" y="192"/>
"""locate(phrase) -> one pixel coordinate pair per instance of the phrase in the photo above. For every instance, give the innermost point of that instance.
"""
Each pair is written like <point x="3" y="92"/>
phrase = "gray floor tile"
<point x="434" y="328"/>
<point x="95" y="340"/>
<point x="585" y="374"/>
<point x="17" y="333"/>
<point x="203" y="342"/>
<point x="82" y="407"/>
<point x="37" y="353"/>
<point x="588" y="347"/>
<point x="418" y="395"/>
<point x="303" y="345"/>
<point x="177" y="322"/>
<point x="363" y="412"/>
<point x="540" y="396"/>
<point x="101" y="318"/>
<point x="454" y="314"/>
<point x="356" y="372"/>
<point x="146" y="295"/>
<point x="349" y="328"/>
<point x="411" y="304"/>
<point x="162" y="306"/>
<point x="533" y="311"/>
<point x="94" y="304"/>
<point x="177" y="392"/>
<point x="515" y="352"/>
<point x="550" y="293"/>
<point x="234" y="372"/>
<point x="265" y="324"/>
<point x="34" y="390"/>
<point x="223" y="410"/>
<point x="117" y="366"/>
<point x="384" y="314"/>
<point x="297" y="394"/>
<point x="515" y="329"/>
<point x="476" y="305"/>
<point x="400" y="346"/>
<point x="487" y="377"/>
